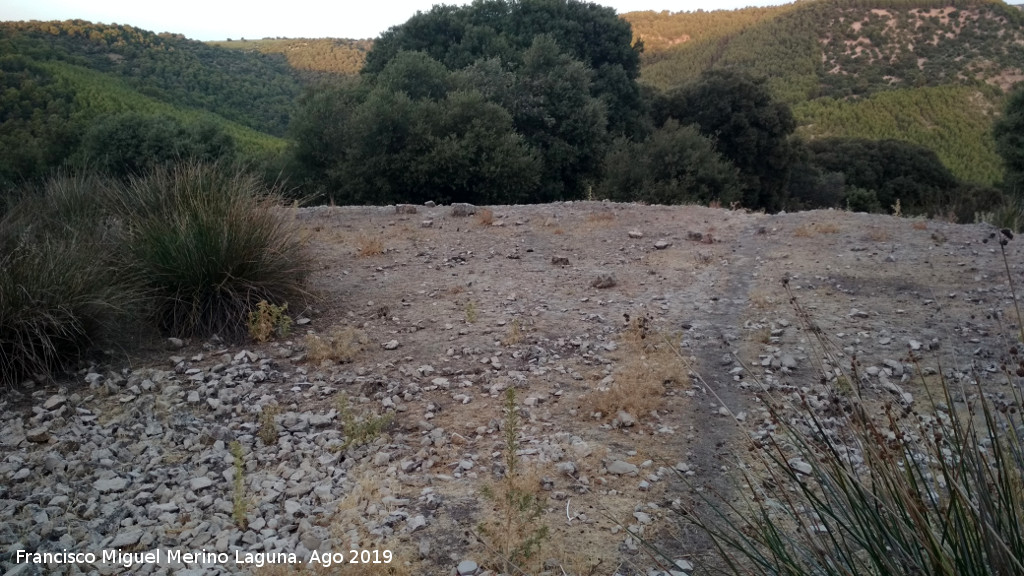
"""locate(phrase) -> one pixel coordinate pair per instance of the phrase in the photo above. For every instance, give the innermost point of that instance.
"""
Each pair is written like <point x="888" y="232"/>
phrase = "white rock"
<point x="390" y="345"/>
<point x="127" y="538"/>
<point x="620" y="468"/>
<point x="115" y="484"/>
<point x="801" y="466"/>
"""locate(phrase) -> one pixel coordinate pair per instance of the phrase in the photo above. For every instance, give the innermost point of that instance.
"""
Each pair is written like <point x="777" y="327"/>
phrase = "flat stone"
<point x="620" y="468"/>
<point x="110" y="485"/>
<point x="390" y="345"/>
<point x="38" y="435"/>
<point x="467" y="568"/>
<point x="625" y="419"/>
<point x="801" y="466"/>
<point x="415" y="523"/>
<point x="662" y="244"/>
<point x="54" y="402"/>
<point x="684" y="565"/>
<point x="463" y="209"/>
<point x="199" y="483"/>
<point x="636" y="234"/>
<point x="127" y="538"/>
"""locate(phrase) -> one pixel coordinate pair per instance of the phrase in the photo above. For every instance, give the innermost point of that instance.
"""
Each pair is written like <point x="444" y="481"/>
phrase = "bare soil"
<point x="451" y="292"/>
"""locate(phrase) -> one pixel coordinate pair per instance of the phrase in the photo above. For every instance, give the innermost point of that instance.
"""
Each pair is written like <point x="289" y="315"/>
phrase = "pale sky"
<point x="253" y="19"/>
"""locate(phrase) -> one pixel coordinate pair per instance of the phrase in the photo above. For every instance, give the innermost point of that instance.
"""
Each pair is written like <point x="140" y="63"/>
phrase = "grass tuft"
<point x="61" y="291"/>
<point x="211" y="245"/>
<point x="367" y="246"/>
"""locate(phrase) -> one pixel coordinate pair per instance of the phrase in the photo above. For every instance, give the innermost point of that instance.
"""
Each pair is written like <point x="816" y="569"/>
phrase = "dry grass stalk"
<point x="367" y="246"/>
<point x="341" y="345"/>
<point x="649" y="362"/>
<point x="485" y="217"/>
<point x="808" y="230"/>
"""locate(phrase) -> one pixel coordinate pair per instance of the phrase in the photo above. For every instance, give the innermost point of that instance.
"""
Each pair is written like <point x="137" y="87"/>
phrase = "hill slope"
<point x="313" y="58"/>
<point x="845" y="64"/>
<point x="252" y="89"/>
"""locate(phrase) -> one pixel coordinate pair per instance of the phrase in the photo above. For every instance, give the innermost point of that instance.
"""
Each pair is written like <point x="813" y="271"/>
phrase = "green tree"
<point x="505" y="29"/>
<point x="1009" y="136"/>
<point x="133" y="143"/>
<point x="749" y="127"/>
<point x="553" y="109"/>
<point x="676" y="165"/>
<point x="371" y="141"/>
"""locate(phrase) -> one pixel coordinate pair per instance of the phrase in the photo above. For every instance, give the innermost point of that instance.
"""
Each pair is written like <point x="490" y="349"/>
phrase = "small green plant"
<point x="471" y="312"/>
<point x="268" y="431"/>
<point x="359" y="430"/>
<point x="517" y="533"/>
<point x="240" y="504"/>
<point x="269" y="320"/>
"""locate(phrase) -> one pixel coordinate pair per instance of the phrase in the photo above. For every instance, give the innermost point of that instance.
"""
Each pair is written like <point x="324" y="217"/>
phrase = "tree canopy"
<point x="749" y="126"/>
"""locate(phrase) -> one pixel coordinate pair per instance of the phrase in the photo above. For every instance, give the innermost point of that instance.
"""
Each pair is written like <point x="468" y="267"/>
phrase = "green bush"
<point x="209" y="245"/>
<point x="861" y="200"/>
<point x="60" y="287"/>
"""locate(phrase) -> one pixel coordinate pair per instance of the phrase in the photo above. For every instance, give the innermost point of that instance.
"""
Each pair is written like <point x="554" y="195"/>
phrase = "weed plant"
<point x="341" y="345"/>
<point x="932" y="487"/>
<point x="268" y="320"/>
<point x="359" y="429"/>
<point x="240" y="503"/>
<point x="516" y="533"/>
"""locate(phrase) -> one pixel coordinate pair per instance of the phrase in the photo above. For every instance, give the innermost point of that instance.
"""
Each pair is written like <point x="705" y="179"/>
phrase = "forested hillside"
<point x="61" y="83"/>
<point x="315" y="58"/>
<point x="860" y="68"/>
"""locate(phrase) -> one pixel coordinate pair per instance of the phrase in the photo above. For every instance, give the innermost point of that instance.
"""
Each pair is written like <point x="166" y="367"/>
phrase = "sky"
<point x="253" y="19"/>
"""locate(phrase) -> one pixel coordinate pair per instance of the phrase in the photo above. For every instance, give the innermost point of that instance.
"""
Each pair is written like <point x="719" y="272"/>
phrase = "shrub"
<point x="861" y="200"/>
<point x="210" y="245"/>
<point x="60" y="287"/>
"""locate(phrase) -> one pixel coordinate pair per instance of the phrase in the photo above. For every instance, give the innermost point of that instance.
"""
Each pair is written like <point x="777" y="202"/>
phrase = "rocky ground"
<point x="635" y="338"/>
